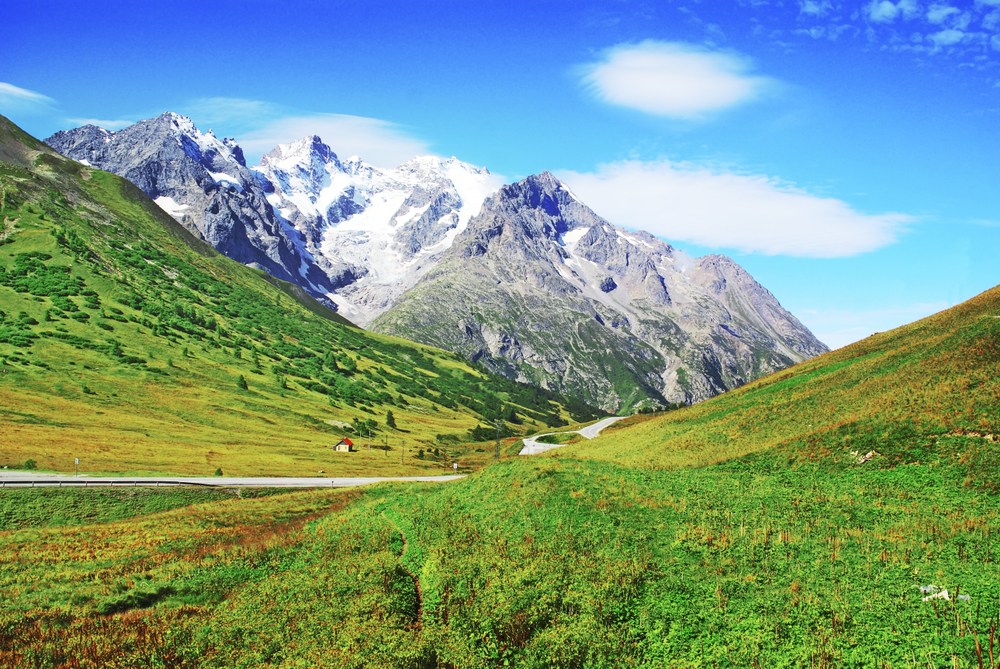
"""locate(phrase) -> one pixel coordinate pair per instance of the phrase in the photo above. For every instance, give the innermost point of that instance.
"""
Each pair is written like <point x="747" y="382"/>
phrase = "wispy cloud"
<point x="946" y="37"/>
<point x="101" y="123"/>
<point x="682" y="202"/>
<point x="938" y="13"/>
<point x="884" y="11"/>
<point x="815" y="8"/>
<point x="20" y="100"/>
<point x="672" y="79"/>
<point x="260" y="126"/>
<point x="965" y="31"/>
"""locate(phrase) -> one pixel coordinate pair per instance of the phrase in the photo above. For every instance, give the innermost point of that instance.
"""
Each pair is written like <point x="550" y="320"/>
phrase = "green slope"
<point x="925" y="392"/>
<point x="127" y="342"/>
<point x="740" y="532"/>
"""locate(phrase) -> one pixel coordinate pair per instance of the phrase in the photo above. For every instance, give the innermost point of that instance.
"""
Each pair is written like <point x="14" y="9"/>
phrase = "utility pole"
<point x="496" y="454"/>
<point x="369" y="441"/>
<point x="402" y="449"/>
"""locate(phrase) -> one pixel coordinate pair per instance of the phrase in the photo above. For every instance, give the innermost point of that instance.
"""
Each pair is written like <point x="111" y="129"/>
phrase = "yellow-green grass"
<point x="126" y="342"/>
<point x="897" y="393"/>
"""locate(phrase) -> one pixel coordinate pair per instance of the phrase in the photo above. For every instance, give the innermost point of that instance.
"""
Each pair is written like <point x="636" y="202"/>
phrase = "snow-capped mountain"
<point x="204" y="183"/>
<point x="526" y="279"/>
<point x="374" y="231"/>
<point x="354" y="235"/>
<point x="542" y="289"/>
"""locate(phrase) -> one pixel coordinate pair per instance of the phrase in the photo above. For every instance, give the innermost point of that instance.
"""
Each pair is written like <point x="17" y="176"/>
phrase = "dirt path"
<point x="413" y="577"/>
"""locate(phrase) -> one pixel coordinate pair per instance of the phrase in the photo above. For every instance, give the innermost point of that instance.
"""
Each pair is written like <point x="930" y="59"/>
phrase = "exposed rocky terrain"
<point x="530" y="281"/>
<point x="204" y="183"/>
<point x="353" y="235"/>
<point x="542" y="289"/>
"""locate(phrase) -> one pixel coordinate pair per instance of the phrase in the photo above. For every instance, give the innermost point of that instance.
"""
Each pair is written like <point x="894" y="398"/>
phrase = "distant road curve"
<point x="11" y="479"/>
<point x="532" y="447"/>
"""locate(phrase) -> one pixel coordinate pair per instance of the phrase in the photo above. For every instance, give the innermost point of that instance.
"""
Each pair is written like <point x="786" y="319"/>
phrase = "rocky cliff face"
<point x="353" y="235"/>
<point x="204" y="183"/>
<point x="544" y="290"/>
<point x="530" y="282"/>
<point x="375" y="232"/>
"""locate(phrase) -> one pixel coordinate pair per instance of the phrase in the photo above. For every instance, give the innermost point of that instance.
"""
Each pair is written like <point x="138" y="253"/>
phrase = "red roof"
<point x="347" y="441"/>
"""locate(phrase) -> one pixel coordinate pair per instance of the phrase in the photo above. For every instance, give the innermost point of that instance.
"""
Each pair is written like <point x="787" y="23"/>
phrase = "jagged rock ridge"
<point x="531" y="282"/>
<point x="204" y="183"/>
<point x="542" y="289"/>
<point x="352" y="234"/>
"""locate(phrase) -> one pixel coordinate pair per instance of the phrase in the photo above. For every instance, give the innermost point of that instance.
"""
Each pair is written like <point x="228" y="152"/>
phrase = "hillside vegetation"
<point x="928" y="392"/>
<point x="130" y="344"/>
<point x="842" y="513"/>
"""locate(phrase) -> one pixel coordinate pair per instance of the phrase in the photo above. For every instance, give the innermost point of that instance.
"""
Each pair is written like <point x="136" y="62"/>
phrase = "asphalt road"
<point x="532" y="447"/>
<point x="12" y="479"/>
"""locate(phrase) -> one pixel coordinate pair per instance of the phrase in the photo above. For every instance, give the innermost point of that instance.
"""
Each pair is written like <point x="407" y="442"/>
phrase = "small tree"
<point x="420" y="454"/>
<point x="242" y="383"/>
<point x="30" y="464"/>
<point x="390" y="420"/>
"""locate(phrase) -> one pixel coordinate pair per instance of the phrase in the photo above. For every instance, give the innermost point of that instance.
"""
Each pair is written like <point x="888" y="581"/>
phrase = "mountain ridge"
<point x="132" y="344"/>
<point x="542" y="284"/>
<point x="363" y="241"/>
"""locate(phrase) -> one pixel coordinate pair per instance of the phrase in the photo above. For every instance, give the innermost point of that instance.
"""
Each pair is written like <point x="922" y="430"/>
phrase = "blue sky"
<point x="846" y="154"/>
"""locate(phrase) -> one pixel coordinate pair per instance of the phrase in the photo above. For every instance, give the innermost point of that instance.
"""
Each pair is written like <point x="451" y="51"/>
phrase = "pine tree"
<point x="390" y="420"/>
<point x="242" y="383"/>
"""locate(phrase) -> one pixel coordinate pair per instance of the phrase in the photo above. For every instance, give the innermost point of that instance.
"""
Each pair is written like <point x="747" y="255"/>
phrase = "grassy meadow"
<point x="841" y="513"/>
<point x="662" y="552"/>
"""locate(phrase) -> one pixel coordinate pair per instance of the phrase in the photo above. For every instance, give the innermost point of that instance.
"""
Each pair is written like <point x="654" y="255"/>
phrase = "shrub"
<point x="30" y="464"/>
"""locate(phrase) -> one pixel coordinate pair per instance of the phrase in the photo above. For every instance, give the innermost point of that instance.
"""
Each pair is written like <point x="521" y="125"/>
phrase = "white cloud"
<point x="946" y="37"/>
<point x="672" y="79"/>
<point x="884" y="11"/>
<point x="378" y="142"/>
<point x="938" y="13"/>
<point x="21" y="100"/>
<point x="815" y="8"/>
<point x="682" y="202"/>
<point x="260" y="126"/>
<point x="100" y="123"/>
<point x="995" y="42"/>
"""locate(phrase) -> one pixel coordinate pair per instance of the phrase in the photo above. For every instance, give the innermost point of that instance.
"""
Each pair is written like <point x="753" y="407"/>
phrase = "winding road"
<point x="532" y="447"/>
<point x="23" y="479"/>
<point x="20" y="479"/>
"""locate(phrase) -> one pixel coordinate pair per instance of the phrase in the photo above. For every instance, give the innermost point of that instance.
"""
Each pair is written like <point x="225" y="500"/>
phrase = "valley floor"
<point x="548" y="561"/>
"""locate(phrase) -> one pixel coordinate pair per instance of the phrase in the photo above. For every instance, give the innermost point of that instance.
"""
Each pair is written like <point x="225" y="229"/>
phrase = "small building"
<point x="345" y="445"/>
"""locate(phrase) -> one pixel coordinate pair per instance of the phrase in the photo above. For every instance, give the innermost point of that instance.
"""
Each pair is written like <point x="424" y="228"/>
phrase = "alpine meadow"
<point x="520" y="335"/>
<point x="841" y="512"/>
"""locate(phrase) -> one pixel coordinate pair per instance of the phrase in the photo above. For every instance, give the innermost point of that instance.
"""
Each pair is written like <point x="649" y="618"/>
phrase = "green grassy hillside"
<point x="748" y="531"/>
<point x="928" y="392"/>
<point x="126" y="342"/>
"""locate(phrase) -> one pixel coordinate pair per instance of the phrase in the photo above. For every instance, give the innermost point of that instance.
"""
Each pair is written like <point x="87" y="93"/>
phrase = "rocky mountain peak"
<point x="537" y="207"/>
<point x="203" y="183"/>
<point x="543" y="289"/>
<point x="309" y="149"/>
